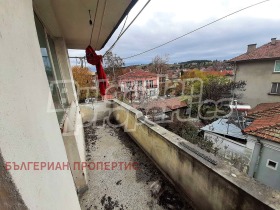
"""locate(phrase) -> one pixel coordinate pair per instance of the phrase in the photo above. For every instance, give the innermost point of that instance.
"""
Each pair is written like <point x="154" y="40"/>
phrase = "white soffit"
<point x="70" y="19"/>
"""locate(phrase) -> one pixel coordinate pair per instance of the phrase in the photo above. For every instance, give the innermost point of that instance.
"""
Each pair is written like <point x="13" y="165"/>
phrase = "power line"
<point x="196" y="29"/>
<point x="120" y="35"/>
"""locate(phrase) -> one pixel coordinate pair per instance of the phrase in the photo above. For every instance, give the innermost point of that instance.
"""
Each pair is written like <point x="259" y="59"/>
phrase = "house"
<point x="163" y="108"/>
<point x="265" y="131"/>
<point x="40" y="119"/>
<point x="42" y="148"/>
<point x="229" y="140"/>
<point x="174" y="75"/>
<point x="256" y="147"/>
<point x="224" y="73"/>
<point x="260" y="67"/>
<point x="143" y="83"/>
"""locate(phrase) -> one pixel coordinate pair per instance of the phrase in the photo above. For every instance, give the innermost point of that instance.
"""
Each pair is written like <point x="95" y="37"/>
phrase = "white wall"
<point x="73" y="135"/>
<point x="233" y="148"/>
<point x="28" y="132"/>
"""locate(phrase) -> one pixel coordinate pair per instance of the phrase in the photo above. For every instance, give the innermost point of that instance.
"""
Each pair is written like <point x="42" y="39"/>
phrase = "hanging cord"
<point x="90" y="21"/>
<point x="128" y="26"/>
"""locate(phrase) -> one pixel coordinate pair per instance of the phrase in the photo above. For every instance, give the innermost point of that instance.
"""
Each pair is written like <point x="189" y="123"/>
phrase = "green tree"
<point x="214" y="87"/>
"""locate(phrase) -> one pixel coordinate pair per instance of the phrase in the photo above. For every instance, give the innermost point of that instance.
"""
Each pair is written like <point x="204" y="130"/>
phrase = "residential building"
<point x="43" y="152"/>
<point x="260" y="67"/>
<point x="40" y="117"/>
<point x="173" y="75"/>
<point x="163" y="108"/>
<point x="143" y="84"/>
<point x="229" y="140"/>
<point x="256" y="147"/>
<point x="265" y="131"/>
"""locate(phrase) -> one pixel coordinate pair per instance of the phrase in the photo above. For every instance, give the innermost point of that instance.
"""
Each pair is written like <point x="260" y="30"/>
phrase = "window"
<point x="59" y="81"/>
<point x="272" y="164"/>
<point x="147" y="84"/>
<point x="128" y="84"/>
<point x="277" y="66"/>
<point x="57" y="86"/>
<point x="151" y="83"/>
<point x="139" y="83"/>
<point x="275" y="88"/>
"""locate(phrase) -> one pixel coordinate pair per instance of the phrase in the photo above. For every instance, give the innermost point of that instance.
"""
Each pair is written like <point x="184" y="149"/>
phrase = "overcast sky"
<point x="163" y="20"/>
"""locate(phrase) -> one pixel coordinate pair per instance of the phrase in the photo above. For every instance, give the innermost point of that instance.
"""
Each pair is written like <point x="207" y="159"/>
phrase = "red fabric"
<point x="96" y="60"/>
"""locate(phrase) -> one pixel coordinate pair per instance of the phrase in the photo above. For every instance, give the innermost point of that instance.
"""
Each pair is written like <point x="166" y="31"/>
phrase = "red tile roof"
<point x="165" y="104"/>
<point x="267" y="51"/>
<point x="220" y="73"/>
<point x="266" y="122"/>
<point x="264" y="110"/>
<point x="266" y="128"/>
<point x="138" y="73"/>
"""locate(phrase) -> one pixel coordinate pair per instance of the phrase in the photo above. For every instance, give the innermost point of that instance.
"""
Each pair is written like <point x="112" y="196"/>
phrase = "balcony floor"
<point x="124" y="189"/>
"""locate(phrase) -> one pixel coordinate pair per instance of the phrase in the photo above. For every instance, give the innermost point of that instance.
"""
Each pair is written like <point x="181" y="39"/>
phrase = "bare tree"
<point x="160" y="64"/>
<point x="112" y="62"/>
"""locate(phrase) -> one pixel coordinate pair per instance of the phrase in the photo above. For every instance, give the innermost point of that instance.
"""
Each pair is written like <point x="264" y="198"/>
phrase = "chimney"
<point x="251" y="47"/>
<point x="273" y="41"/>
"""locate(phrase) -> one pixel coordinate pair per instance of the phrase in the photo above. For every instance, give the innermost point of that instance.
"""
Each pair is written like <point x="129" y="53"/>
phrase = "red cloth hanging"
<point x="96" y="60"/>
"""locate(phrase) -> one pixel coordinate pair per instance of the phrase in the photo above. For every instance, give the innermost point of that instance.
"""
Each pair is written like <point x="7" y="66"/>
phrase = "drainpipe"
<point x="234" y="80"/>
<point x="255" y="159"/>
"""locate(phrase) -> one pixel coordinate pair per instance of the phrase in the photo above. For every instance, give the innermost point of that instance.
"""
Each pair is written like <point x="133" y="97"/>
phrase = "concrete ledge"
<point x="73" y="156"/>
<point x="73" y="138"/>
<point x="208" y="185"/>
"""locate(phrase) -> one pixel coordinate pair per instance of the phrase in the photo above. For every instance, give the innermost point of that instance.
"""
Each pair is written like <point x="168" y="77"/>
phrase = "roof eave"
<point x="252" y="60"/>
<point x="131" y="5"/>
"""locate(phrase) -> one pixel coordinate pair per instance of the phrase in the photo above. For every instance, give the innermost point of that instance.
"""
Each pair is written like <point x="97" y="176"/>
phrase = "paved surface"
<point x="124" y="189"/>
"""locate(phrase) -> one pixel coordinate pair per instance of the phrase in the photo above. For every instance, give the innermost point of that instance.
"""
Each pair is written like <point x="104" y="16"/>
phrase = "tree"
<point x="85" y="82"/>
<point x="215" y="87"/>
<point x="159" y="64"/>
<point x="188" y="131"/>
<point x="112" y="63"/>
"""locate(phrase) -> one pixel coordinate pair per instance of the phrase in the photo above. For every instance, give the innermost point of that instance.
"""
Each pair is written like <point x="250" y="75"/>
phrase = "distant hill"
<point x="196" y="61"/>
<point x="191" y="64"/>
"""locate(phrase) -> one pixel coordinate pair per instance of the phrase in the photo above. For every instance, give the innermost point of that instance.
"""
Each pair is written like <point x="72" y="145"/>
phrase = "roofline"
<point x="262" y="138"/>
<point x="123" y="75"/>
<point x="251" y="60"/>
<point x="131" y="5"/>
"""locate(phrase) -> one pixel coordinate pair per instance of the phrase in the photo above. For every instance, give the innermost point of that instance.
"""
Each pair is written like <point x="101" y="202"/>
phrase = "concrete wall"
<point x="231" y="149"/>
<point x="259" y="76"/>
<point x="207" y="185"/>
<point x="97" y="111"/>
<point x="73" y="137"/>
<point x="266" y="175"/>
<point x="28" y="132"/>
<point x="10" y="197"/>
<point x="271" y="177"/>
<point x="73" y="132"/>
